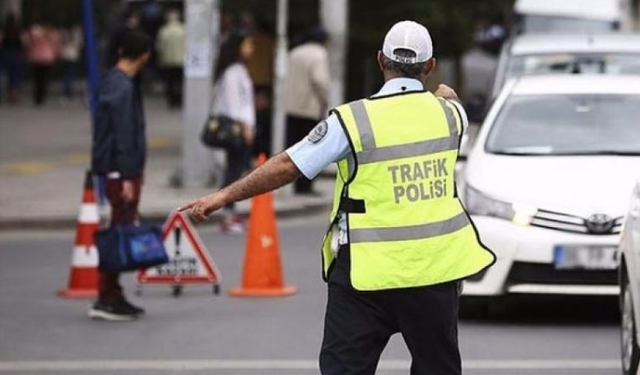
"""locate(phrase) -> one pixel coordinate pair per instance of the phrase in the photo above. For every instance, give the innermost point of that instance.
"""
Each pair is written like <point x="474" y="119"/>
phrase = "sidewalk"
<point x="45" y="151"/>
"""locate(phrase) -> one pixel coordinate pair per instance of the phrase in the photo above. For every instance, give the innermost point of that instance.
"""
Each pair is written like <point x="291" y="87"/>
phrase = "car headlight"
<point x="478" y="203"/>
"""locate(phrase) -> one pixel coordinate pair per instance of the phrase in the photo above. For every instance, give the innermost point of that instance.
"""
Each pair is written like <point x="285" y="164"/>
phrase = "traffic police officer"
<point x="399" y="241"/>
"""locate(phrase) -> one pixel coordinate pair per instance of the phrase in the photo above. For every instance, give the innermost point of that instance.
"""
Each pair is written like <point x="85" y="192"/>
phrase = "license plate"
<point x="587" y="257"/>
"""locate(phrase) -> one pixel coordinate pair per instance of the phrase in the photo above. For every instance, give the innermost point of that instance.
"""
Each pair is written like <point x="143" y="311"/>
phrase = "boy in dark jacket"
<point x="118" y="152"/>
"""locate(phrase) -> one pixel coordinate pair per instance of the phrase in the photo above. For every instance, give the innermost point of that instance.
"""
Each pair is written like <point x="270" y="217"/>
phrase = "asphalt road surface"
<point x="198" y="333"/>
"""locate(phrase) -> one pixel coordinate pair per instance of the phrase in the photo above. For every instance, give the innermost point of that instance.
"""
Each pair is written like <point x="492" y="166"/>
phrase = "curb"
<point x="152" y="218"/>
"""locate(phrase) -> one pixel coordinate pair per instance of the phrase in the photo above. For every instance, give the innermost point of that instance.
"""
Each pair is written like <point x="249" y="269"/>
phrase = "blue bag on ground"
<point x="130" y="248"/>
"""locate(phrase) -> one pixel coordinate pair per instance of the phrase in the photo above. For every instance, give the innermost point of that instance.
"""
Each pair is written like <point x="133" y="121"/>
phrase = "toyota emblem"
<point x="599" y="223"/>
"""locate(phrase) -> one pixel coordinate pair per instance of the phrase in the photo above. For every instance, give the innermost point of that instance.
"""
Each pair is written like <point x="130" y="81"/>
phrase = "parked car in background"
<point x="578" y="16"/>
<point x="547" y="182"/>
<point x="535" y="54"/>
<point x="630" y="286"/>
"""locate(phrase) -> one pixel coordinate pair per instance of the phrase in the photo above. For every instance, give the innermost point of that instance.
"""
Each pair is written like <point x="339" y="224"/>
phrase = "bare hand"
<point x="446" y="92"/>
<point x="201" y="208"/>
<point x="127" y="190"/>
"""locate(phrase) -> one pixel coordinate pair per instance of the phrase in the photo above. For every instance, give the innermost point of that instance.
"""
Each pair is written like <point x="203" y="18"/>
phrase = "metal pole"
<point x="202" y="29"/>
<point x="93" y="75"/>
<point x="277" y="133"/>
<point x="91" y="54"/>
<point x="335" y="17"/>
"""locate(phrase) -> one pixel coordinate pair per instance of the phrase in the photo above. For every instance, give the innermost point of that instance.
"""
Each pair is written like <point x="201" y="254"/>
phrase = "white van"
<point x="576" y="16"/>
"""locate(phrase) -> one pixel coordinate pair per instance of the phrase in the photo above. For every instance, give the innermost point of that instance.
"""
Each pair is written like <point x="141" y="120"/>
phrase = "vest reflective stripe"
<point x="403" y="151"/>
<point x="410" y="233"/>
<point x="451" y="119"/>
<point x="363" y="123"/>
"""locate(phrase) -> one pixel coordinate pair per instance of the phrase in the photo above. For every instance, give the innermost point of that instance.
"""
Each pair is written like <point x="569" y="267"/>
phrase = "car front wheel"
<point x="630" y="350"/>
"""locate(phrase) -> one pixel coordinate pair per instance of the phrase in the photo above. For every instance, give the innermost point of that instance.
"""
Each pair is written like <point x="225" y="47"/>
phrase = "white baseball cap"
<point x="408" y="35"/>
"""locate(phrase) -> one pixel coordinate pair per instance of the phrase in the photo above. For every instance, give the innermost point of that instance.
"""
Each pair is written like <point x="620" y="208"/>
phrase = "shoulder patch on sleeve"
<point x="318" y="133"/>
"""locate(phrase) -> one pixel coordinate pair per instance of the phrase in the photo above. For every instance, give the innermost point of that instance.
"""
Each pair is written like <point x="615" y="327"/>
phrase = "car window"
<point x="554" y="24"/>
<point x="567" y="124"/>
<point x="565" y="63"/>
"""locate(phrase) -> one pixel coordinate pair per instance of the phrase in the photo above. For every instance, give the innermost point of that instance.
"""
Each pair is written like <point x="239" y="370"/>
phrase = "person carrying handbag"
<point x="119" y="152"/>
<point x="234" y="99"/>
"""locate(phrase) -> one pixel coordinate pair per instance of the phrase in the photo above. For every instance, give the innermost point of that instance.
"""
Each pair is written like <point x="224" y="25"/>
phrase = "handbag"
<point x="130" y="248"/>
<point x="222" y="132"/>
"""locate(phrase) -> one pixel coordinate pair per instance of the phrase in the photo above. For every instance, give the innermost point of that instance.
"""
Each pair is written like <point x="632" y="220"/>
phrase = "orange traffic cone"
<point x="83" y="278"/>
<point x="262" y="274"/>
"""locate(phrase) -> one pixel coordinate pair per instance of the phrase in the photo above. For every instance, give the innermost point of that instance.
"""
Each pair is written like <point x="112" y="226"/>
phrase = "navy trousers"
<point x="358" y="326"/>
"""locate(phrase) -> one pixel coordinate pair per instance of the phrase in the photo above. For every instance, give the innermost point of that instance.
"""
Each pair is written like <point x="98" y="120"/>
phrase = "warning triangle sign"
<point x="189" y="260"/>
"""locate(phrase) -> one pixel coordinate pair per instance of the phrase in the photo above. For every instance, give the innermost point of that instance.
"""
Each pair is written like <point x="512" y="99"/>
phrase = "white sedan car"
<point x="547" y="183"/>
<point x="630" y="286"/>
<point x="534" y="54"/>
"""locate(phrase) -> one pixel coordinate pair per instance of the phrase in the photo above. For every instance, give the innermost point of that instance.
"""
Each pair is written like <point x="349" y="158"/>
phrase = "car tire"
<point x="628" y="341"/>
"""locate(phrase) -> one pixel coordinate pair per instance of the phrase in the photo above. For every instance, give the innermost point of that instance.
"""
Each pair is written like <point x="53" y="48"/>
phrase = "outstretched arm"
<point x="276" y="172"/>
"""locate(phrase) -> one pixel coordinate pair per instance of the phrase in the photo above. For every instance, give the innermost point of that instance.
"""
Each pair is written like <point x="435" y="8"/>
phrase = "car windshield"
<point x="554" y="24"/>
<point x="567" y="125"/>
<point x="565" y="63"/>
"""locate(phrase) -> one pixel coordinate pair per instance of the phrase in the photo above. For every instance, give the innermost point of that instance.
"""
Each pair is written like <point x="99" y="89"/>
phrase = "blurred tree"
<point x="303" y="14"/>
<point x="451" y="24"/>
<point x="54" y="12"/>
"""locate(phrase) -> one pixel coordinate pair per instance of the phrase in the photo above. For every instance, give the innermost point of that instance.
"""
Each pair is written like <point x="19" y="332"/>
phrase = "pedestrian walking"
<point x="233" y="97"/>
<point x="262" y="142"/>
<point x="170" y="49"/>
<point x="400" y="241"/>
<point x="151" y="19"/>
<point x="306" y="92"/>
<point x="11" y="57"/>
<point x="119" y="152"/>
<point x="42" y="44"/>
<point x="71" y="41"/>
<point x="130" y="22"/>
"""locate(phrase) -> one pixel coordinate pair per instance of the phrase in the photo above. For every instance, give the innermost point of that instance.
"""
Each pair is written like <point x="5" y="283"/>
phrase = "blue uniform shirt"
<point x="329" y="144"/>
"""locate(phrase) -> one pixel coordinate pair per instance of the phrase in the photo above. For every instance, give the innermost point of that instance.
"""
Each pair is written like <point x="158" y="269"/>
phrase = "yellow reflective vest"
<point x="406" y="226"/>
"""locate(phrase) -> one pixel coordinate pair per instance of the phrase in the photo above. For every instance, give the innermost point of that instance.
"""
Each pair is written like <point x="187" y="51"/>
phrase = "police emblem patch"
<point x="318" y="133"/>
